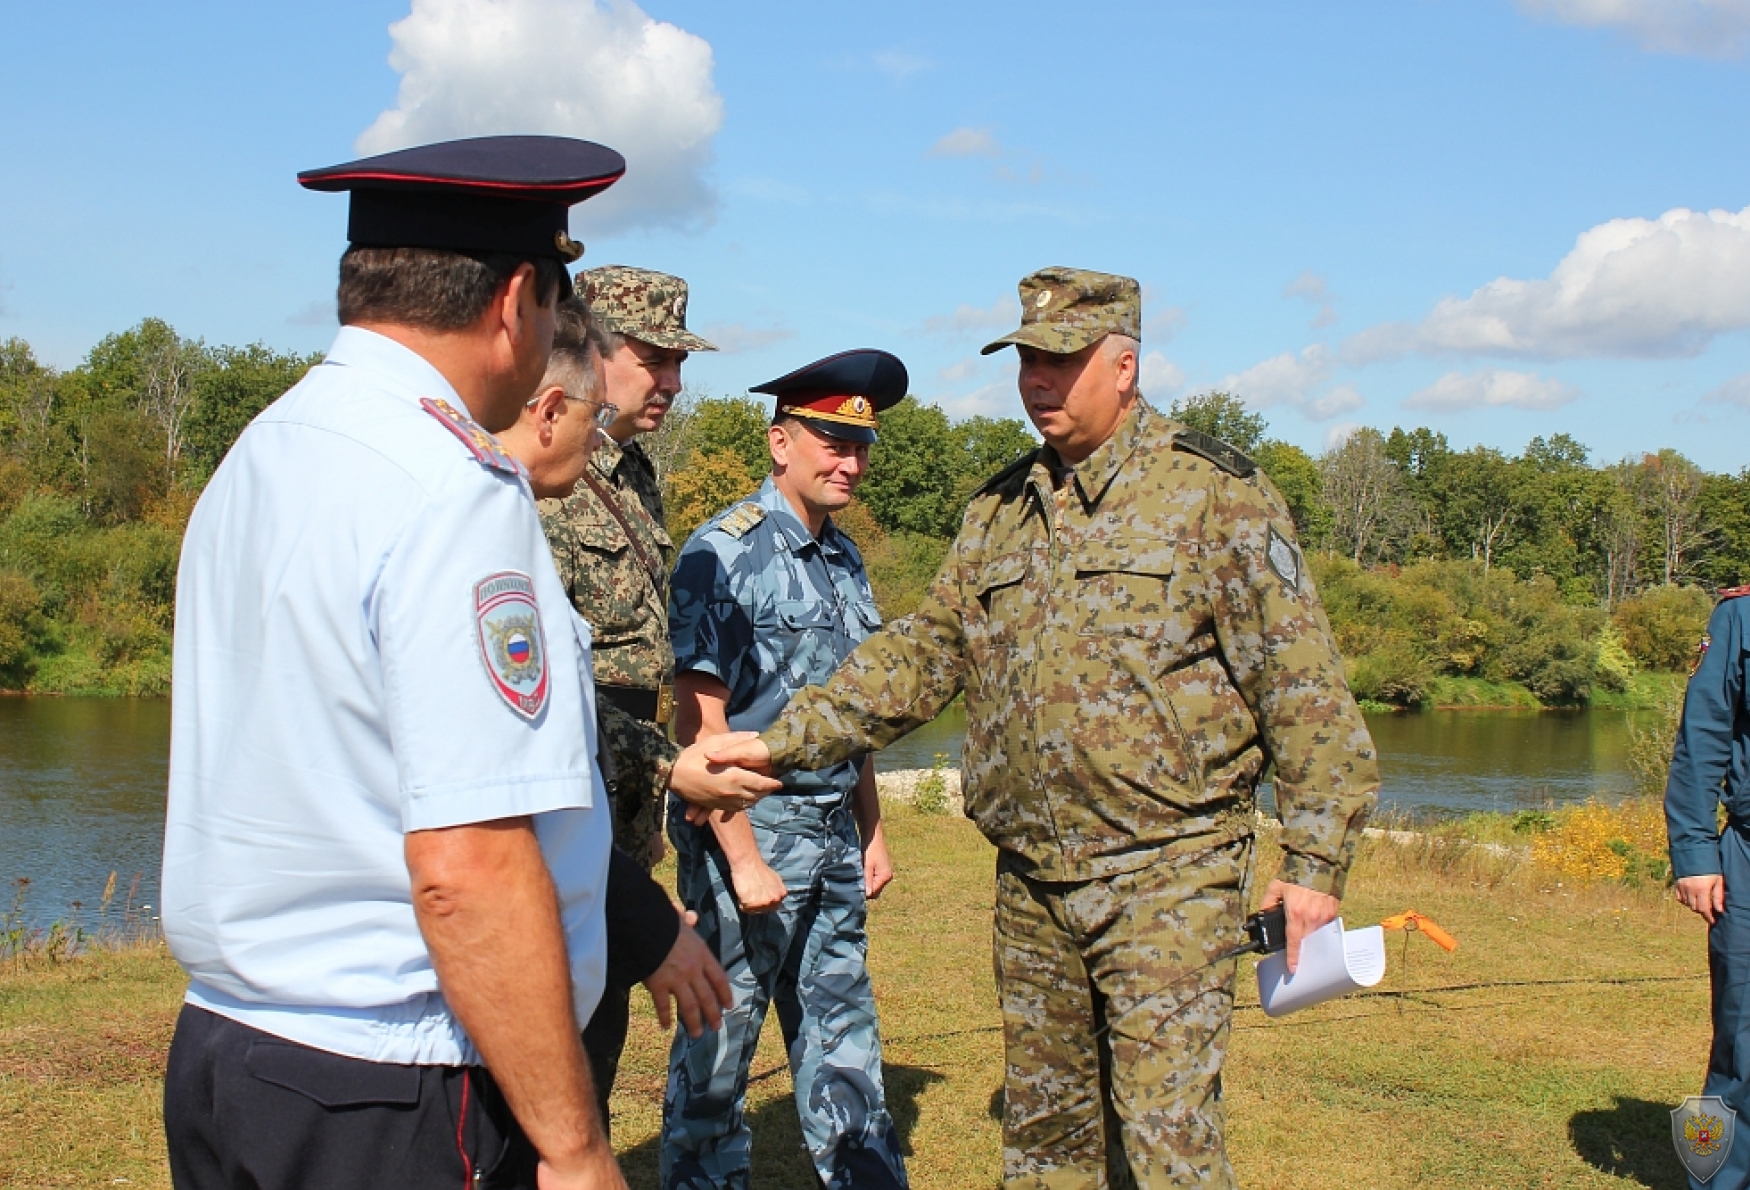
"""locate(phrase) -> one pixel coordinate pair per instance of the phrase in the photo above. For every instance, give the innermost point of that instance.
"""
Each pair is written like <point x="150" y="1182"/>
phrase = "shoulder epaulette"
<point x="1734" y="593"/>
<point x="483" y="446"/>
<point x="1216" y="451"/>
<point x="1024" y="463"/>
<point x="738" y="520"/>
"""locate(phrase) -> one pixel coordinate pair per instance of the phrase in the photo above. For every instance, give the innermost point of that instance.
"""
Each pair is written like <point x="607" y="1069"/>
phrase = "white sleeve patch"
<point x="512" y="642"/>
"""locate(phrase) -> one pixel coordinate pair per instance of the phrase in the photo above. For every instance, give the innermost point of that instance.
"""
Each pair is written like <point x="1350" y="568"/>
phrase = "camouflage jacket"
<point x="1133" y="645"/>
<point x="602" y="573"/>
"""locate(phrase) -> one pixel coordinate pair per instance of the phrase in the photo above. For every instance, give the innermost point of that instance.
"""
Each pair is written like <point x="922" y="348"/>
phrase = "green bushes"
<point x="84" y="608"/>
<point x="1408" y="632"/>
<point x="1662" y="627"/>
<point x="22" y="628"/>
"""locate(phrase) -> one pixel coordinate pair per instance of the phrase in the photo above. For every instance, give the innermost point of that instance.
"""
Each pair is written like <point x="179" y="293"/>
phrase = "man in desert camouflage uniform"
<point x="1137" y="637"/>
<point x="613" y="555"/>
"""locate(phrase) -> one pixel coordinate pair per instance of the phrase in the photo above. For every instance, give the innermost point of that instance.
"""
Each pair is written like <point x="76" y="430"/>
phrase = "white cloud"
<point x="1340" y="433"/>
<point x="1004" y="314"/>
<point x="992" y="400"/>
<point x="898" y="65"/>
<point x="1290" y="379"/>
<point x="1311" y="288"/>
<point x="1285" y="379"/>
<point x="1735" y="391"/>
<point x="320" y="312"/>
<point x="1160" y="376"/>
<point x="731" y="337"/>
<point x="1343" y="399"/>
<point x="1161" y="326"/>
<point x="604" y="72"/>
<point x="967" y="142"/>
<point x="1631" y="288"/>
<point x="1705" y="28"/>
<point x="1457" y="391"/>
<point x="954" y="373"/>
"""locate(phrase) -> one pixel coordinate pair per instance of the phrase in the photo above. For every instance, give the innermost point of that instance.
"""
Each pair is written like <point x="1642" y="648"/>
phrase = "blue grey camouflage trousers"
<point x="809" y="956"/>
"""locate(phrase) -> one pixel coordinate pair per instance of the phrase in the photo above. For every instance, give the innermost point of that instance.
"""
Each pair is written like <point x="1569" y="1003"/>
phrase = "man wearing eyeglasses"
<point x="613" y="557"/>
<point x="559" y="429"/>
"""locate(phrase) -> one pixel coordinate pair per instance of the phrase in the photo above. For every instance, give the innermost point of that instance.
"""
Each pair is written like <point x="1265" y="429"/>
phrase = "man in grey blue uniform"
<point x="768" y="597"/>
<point x="1711" y="763"/>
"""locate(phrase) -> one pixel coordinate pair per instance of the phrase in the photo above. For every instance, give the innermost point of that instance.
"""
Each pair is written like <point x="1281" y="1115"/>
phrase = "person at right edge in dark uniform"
<point x="1710" y="764"/>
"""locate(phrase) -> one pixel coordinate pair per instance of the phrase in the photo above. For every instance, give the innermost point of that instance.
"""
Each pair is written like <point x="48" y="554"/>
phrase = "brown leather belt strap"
<point x="652" y="566"/>
<point x="652" y="706"/>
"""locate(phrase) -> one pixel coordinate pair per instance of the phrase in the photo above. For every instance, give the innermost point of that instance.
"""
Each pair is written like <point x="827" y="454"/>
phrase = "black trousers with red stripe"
<point x="244" y="1110"/>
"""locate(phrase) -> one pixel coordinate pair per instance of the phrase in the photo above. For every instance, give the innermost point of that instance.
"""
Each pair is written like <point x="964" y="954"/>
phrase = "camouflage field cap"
<point x="1064" y="310"/>
<point x="648" y="306"/>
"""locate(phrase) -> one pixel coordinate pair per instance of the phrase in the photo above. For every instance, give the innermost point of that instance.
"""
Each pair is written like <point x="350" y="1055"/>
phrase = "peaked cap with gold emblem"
<point x="1064" y="310"/>
<point x="509" y="194"/>
<point x="641" y="304"/>
<point x="841" y="395"/>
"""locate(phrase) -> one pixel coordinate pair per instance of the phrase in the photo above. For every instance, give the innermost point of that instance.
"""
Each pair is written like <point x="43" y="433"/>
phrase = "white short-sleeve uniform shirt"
<point x="370" y="640"/>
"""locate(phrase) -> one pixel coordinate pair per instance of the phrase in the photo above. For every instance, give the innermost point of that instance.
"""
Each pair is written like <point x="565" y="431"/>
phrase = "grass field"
<point x="1545" y="1053"/>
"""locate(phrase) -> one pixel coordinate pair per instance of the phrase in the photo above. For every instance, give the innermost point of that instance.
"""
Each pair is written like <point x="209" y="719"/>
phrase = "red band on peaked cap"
<point x="875" y="375"/>
<point x="508" y="194"/>
<point x="543" y="168"/>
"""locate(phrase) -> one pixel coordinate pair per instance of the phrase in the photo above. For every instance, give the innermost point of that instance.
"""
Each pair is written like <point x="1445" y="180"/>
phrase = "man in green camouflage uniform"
<point x="613" y="555"/>
<point x="1137" y="637"/>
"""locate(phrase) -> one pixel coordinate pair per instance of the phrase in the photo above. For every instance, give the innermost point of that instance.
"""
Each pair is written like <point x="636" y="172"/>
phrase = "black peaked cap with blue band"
<point x="841" y="394"/>
<point x="509" y="194"/>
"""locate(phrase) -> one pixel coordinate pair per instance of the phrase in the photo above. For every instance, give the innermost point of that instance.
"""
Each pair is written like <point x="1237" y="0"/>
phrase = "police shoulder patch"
<point x="1216" y="451"/>
<point x="483" y="446"/>
<point x="741" y="518"/>
<point x="512" y="642"/>
<point x="1283" y="558"/>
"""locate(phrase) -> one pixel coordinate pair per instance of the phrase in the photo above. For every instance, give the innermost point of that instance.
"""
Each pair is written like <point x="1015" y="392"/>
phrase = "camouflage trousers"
<point x="1139" y="1104"/>
<point x="633" y="748"/>
<point x="809" y="957"/>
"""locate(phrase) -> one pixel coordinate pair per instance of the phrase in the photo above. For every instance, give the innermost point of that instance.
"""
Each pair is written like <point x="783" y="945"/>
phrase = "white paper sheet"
<point x="1333" y="962"/>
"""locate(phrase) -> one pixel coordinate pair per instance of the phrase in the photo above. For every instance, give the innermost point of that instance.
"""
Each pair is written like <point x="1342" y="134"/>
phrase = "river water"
<point x="82" y="781"/>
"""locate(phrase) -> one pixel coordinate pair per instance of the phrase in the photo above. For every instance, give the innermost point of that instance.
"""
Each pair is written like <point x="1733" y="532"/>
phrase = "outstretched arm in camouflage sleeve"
<point x="896" y="681"/>
<point x="1278" y="645"/>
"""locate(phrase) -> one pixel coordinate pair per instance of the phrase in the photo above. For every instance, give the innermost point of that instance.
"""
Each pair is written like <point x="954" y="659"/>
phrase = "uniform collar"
<point x="793" y="528"/>
<point x="607" y="455"/>
<point x="401" y="369"/>
<point x="1094" y="473"/>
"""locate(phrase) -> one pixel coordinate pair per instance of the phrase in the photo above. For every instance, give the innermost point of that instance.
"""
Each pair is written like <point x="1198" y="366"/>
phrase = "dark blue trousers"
<point x="1728" y="960"/>
<point x="244" y="1110"/>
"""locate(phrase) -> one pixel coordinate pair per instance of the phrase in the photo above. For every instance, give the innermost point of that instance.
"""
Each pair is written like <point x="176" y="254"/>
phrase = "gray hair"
<point x="1116" y="345"/>
<point x="578" y="338"/>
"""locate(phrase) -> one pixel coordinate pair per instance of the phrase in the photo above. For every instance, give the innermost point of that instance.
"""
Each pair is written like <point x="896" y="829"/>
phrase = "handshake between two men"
<point x="727" y="772"/>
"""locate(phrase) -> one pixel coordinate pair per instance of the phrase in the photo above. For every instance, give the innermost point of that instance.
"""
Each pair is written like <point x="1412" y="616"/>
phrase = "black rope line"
<point x="1413" y="995"/>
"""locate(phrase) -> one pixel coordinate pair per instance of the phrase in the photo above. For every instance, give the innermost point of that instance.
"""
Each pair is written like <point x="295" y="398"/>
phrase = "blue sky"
<point x="1498" y="218"/>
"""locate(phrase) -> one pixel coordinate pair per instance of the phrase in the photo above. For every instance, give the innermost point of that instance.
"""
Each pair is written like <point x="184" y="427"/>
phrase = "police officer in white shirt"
<point x="386" y="839"/>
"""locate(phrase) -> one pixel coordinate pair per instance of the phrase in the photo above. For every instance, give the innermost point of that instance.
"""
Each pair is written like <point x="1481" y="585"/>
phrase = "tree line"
<point x="1449" y="575"/>
<point x="99" y="468"/>
<point x="1459" y="575"/>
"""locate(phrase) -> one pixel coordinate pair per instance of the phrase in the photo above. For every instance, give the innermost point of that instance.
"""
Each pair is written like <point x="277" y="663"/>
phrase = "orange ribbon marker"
<point x="1411" y="922"/>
